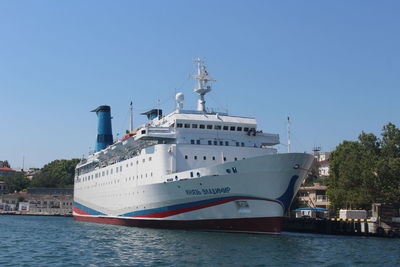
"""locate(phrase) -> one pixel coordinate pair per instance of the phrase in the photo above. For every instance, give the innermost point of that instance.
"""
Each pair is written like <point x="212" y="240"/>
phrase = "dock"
<point x="333" y="226"/>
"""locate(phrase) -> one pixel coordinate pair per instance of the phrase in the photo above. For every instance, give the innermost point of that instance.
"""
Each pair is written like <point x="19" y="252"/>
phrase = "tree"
<point x="58" y="173"/>
<point x="5" y="164"/>
<point x="366" y="171"/>
<point x="16" y="183"/>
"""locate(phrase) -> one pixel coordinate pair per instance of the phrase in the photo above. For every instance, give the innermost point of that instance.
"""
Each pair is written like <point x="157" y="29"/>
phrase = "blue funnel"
<point x="104" y="130"/>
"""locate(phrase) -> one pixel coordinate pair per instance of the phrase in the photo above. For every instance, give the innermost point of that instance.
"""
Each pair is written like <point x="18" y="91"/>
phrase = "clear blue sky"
<point x="332" y="66"/>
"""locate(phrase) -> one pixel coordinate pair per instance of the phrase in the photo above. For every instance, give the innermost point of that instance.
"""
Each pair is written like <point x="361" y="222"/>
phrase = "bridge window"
<point x="187" y="125"/>
<point x="246" y="129"/>
<point x="242" y="144"/>
<point x="224" y="158"/>
<point x="195" y="157"/>
<point x="237" y="143"/>
<point x="233" y="128"/>
<point x="194" y="126"/>
<point x="213" y="158"/>
<point x="227" y="143"/>
<point x="215" y="142"/>
<point x="209" y="142"/>
<point x="198" y="142"/>
<point x="209" y="126"/>
<point x="226" y="128"/>
<point x="186" y="156"/>
<point x="204" y="157"/>
<point x="202" y="126"/>
<point x="217" y="127"/>
<point x="221" y="143"/>
<point x="192" y="142"/>
<point x="179" y="125"/>
<point x="239" y="129"/>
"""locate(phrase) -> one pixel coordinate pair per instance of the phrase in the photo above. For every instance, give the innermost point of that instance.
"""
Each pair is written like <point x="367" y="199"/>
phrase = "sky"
<point x="332" y="66"/>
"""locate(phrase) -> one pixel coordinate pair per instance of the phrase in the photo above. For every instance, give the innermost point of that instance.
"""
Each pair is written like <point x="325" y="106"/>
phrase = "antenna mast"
<point x="202" y="88"/>
<point x="130" y="117"/>
<point x="288" y="129"/>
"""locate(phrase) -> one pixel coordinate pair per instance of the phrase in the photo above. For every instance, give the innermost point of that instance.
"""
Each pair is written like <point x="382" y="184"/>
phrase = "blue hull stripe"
<point x="172" y="207"/>
<point x="88" y="210"/>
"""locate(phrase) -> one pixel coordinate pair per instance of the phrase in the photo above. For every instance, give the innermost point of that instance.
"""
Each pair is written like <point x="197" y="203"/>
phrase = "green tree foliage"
<point x="58" y="173"/>
<point x="16" y="183"/>
<point x="6" y="164"/>
<point x="366" y="171"/>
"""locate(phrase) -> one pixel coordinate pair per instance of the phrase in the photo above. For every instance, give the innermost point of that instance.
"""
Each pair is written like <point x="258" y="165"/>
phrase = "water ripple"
<point x="57" y="241"/>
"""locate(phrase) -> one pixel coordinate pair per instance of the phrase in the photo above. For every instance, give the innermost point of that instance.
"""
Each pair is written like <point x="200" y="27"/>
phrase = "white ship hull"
<point x="249" y="195"/>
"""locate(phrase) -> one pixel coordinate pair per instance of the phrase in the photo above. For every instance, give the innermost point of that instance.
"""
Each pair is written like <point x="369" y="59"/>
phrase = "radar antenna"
<point x="202" y="88"/>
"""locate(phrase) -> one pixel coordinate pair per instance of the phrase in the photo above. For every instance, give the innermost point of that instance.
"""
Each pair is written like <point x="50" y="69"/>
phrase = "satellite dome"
<point x="179" y="97"/>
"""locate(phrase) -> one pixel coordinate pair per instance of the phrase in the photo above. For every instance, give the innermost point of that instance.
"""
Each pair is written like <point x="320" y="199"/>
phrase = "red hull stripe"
<point x="171" y="210"/>
<point x="79" y="211"/>
<point x="250" y="225"/>
<point x="190" y="206"/>
<point x="186" y="209"/>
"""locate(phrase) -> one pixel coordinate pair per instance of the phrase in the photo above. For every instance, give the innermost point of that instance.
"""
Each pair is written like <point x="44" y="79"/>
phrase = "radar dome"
<point x="179" y="97"/>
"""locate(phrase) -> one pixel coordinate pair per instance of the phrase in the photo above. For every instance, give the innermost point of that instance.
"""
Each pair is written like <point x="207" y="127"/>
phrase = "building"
<point x="322" y="159"/>
<point x="31" y="172"/>
<point x="6" y="171"/>
<point x="3" y="188"/>
<point x="40" y="201"/>
<point x="314" y="196"/>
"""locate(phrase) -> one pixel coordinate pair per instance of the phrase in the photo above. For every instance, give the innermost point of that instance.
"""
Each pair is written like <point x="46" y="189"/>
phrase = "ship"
<point x="190" y="169"/>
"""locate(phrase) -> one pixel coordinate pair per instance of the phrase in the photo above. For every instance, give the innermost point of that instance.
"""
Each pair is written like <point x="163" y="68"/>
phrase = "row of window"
<point x="215" y="142"/>
<point x="215" y="127"/>
<point x="233" y="169"/>
<point x="106" y="172"/>
<point x="205" y="158"/>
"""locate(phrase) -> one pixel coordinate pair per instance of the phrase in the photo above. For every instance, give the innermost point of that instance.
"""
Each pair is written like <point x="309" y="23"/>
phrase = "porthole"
<point x="228" y="170"/>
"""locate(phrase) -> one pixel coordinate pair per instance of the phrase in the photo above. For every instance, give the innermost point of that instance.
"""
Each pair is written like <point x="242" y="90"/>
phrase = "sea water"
<point x="60" y="241"/>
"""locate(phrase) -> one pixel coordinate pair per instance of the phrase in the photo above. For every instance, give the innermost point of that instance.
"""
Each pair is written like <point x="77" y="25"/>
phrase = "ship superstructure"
<point x="190" y="169"/>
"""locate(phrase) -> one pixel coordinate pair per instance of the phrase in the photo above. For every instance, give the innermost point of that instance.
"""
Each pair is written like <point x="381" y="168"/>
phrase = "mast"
<point x="130" y="117"/>
<point x="288" y="129"/>
<point x="202" y="88"/>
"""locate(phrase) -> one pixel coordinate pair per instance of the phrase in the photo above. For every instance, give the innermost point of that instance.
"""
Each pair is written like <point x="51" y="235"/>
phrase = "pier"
<point x="351" y="227"/>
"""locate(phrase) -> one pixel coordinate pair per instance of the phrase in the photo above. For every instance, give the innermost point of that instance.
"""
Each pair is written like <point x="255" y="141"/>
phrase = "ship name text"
<point x="208" y="191"/>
